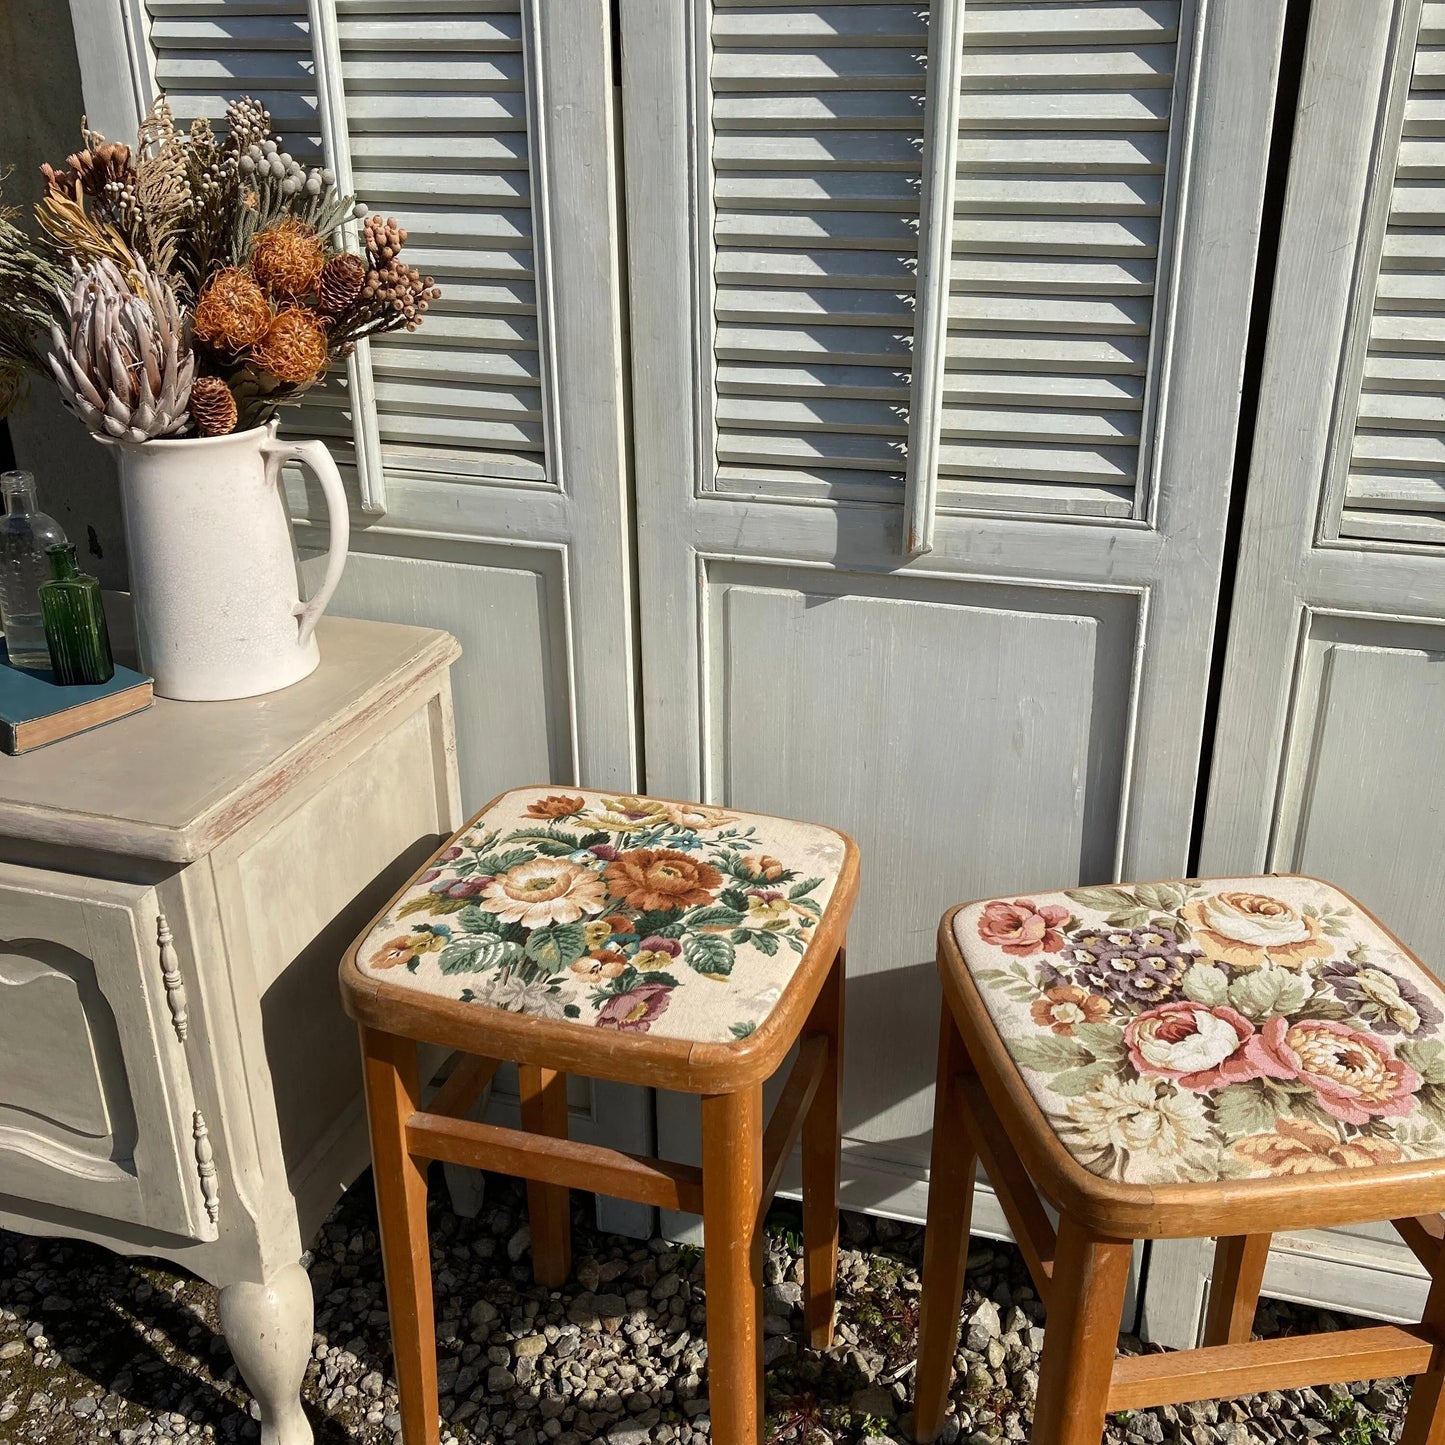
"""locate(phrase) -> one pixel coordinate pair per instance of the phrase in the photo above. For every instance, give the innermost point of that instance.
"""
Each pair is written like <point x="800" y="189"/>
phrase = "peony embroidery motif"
<point x="616" y="912"/>
<point x="1188" y="1031"/>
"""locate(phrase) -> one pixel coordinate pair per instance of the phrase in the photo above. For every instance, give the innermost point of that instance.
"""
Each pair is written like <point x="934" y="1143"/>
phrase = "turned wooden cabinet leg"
<point x="945" y="1242"/>
<point x="1239" y="1262"/>
<point x="1081" y="1330"/>
<point x="549" y="1206"/>
<point x="267" y="1324"/>
<point x="393" y="1094"/>
<point x="822" y="1165"/>
<point x="1425" y="1419"/>
<point x="732" y="1185"/>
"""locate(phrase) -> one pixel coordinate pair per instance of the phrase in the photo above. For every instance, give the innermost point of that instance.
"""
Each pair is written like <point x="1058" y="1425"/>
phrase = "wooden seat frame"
<point x="742" y="1163"/>
<point x="984" y="1115"/>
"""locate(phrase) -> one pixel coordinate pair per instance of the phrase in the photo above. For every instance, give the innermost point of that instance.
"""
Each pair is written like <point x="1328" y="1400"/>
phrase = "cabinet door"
<point x="97" y="1113"/>
<point x="1327" y="757"/>
<point x="972" y="278"/>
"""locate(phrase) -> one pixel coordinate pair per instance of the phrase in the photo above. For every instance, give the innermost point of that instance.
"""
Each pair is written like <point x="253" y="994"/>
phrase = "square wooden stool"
<point x="671" y="945"/>
<point x="1223" y="1058"/>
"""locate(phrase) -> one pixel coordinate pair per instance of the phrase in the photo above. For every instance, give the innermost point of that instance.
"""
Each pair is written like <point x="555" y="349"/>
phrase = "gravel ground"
<point x="96" y="1348"/>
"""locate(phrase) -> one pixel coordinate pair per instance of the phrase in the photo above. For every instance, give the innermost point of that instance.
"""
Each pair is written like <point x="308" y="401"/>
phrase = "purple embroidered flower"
<point x="450" y="855"/>
<point x="634" y="1011"/>
<point x="1139" y="966"/>
<point x="606" y="852"/>
<point x="430" y="875"/>
<point x="1386" y="1002"/>
<point x="653" y="953"/>
<point x="467" y="887"/>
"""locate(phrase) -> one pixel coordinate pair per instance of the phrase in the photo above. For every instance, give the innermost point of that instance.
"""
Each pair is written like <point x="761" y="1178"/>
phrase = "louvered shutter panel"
<point x="817" y="124"/>
<point x="437" y="115"/>
<point x="1061" y="218"/>
<point x="1062" y="153"/>
<point x="1395" y="487"/>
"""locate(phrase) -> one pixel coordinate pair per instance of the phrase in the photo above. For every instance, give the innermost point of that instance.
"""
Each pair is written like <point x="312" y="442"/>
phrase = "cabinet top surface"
<point x="173" y="781"/>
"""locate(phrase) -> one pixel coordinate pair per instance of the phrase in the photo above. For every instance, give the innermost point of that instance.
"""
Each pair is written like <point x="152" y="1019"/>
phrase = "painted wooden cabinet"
<point x="177" y="1077"/>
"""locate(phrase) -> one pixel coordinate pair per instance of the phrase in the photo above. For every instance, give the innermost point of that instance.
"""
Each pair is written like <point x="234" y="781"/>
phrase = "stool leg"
<point x="1425" y="1419"/>
<point x="945" y="1241"/>
<point x="393" y="1094"/>
<point x="1080" y="1329"/>
<point x="822" y="1166"/>
<point x="732" y="1189"/>
<point x="549" y="1206"/>
<point x="1239" y="1262"/>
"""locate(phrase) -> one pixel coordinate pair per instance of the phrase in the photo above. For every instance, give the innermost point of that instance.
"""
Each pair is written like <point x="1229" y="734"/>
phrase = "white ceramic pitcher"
<point x="213" y="571"/>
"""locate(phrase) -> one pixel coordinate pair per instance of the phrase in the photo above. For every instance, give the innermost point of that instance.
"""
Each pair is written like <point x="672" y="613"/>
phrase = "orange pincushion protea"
<point x="294" y="347"/>
<point x="287" y="259"/>
<point x="232" y="311"/>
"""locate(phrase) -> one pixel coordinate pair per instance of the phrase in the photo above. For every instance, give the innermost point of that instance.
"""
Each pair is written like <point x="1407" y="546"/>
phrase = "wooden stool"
<point x="1223" y="1058"/>
<point x="671" y="945"/>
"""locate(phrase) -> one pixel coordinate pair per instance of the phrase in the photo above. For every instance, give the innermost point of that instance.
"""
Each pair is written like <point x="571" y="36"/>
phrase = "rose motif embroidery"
<point x="1354" y="1076"/>
<point x="1200" y="1048"/>
<point x="1247" y="930"/>
<point x="546" y="890"/>
<point x="1062" y="1007"/>
<point x="655" y="878"/>
<point x="1299" y="1147"/>
<point x="1022" y="927"/>
<point x="634" y="1012"/>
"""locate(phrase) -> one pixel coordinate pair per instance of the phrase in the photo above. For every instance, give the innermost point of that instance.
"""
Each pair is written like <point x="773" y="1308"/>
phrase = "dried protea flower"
<point x="232" y="312"/>
<point x="122" y="362"/>
<point x="287" y="259"/>
<point x="294" y="348"/>
<point x="341" y="281"/>
<point x="100" y="164"/>
<point x="213" y="407"/>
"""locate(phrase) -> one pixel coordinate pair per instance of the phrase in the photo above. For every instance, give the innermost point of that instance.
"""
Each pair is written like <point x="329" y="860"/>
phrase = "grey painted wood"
<point x="177" y="1078"/>
<point x="1023" y="706"/>
<point x="1325" y="760"/>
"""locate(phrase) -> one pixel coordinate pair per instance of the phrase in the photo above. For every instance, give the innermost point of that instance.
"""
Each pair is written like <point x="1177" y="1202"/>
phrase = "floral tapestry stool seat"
<point x="671" y="945"/>
<point x="1223" y="1058"/>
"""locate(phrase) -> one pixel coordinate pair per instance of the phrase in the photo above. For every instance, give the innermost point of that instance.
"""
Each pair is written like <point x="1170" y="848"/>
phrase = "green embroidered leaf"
<point x="478" y="953"/>
<point x="734" y="898"/>
<point x="661" y="923"/>
<point x="1268" y="991"/>
<point x="1102" y="900"/>
<point x="712" y="916"/>
<point x="1073" y="1082"/>
<point x="760" y="939"/>
<point x="477" y="920"/>
<point x="811" y="904"/>
<point x="500" y="862"/>
<point x="1425" y="1056"/>
<point x="1133" y="918"/>
<point x="554" y="847"/>
<point x="1206" y="983"/>
<point x="558" y="946"/>
<point x="1104" y="1041"/>
<point x="741" y="1031"/>
<point x="1432" y="1103"/>
<point x="1166" y="897"/>
<point x="571" y="1011"/>
<point x="1243" y="1109"/>
<point x="806" y="886"/>
<point x="708" y="953"/>
<point x="1049" y="1054"/>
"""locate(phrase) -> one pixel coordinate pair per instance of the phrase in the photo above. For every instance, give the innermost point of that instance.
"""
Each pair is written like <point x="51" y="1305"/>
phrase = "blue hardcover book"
<point x="36" y="710"/>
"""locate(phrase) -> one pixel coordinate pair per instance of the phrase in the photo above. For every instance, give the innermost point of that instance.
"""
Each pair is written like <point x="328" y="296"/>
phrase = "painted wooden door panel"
<point x="1326" y="758"/>
<point x="99" y="1113"/>
<point x="961" y="609"/>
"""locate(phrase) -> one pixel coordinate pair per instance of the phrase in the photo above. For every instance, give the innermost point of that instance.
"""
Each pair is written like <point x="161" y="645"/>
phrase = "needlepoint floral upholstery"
<point x="1217" y="1029"/>
<point x="679" y="920"/>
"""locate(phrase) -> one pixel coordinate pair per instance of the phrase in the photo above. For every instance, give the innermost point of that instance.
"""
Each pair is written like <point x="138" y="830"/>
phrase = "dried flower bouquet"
<point x="191" y="284"/>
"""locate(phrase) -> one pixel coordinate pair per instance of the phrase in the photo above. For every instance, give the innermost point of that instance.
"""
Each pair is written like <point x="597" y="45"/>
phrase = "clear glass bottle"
<point x="79" y="642"/>
<point x="25" y="535"/>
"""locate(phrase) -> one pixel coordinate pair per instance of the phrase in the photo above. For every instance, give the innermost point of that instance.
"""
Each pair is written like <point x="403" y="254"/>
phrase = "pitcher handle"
<point x="314" y="456"/>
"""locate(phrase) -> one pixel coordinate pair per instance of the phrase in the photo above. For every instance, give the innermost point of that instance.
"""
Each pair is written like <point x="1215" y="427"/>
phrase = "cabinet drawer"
<point x="96" y="1107"/>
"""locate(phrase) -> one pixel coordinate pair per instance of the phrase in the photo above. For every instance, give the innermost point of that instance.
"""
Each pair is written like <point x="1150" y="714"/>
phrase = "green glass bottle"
<point x="74" y="621"/>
